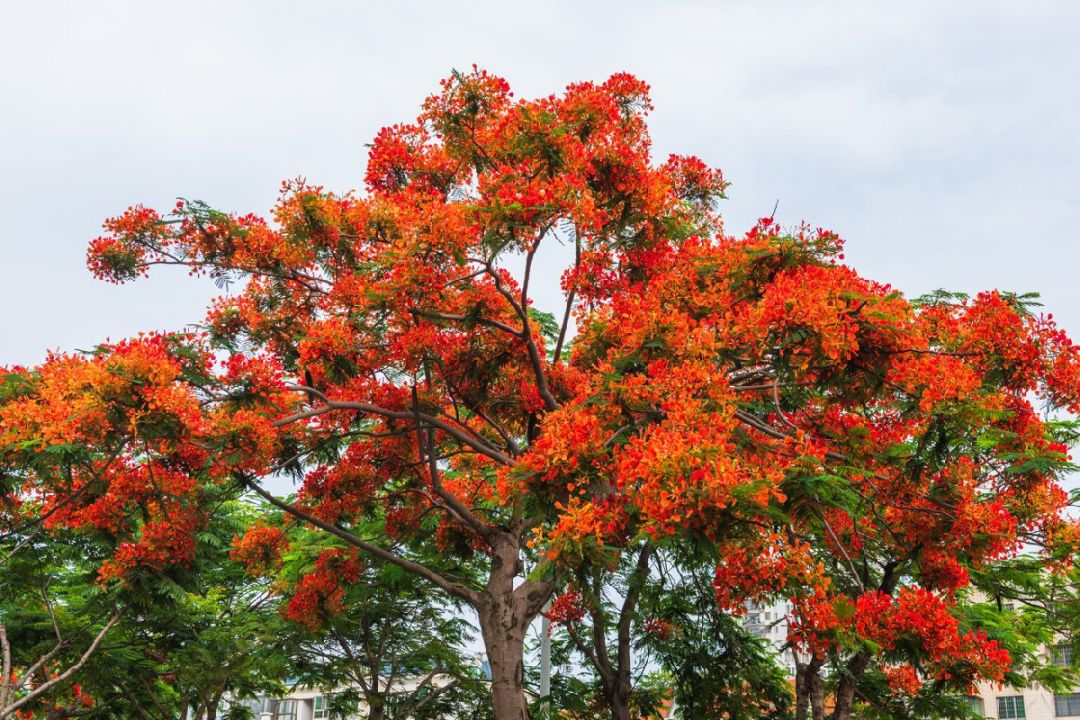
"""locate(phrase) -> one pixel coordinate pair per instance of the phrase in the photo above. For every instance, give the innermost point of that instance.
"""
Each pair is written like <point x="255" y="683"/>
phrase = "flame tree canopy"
<point x="832" y="440"/>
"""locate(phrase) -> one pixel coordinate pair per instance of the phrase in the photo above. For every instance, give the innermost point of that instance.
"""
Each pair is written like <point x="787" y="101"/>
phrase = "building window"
<point x="1062" y="655"/>
<point x="1011" y="706"/>
<point x="286" y="710"/>
<point x="322" y="708"/>
<point x="976" y="704"/>
<point x="1067" y="705"/>
<point x="254" y="705"/>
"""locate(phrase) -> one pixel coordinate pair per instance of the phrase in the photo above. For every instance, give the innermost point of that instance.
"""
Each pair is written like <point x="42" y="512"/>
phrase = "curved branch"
<point x="530" y="343"/>
<point x="456" y="589"/>
<point x="330" y="405"/>
<point x="633" y="593"/>
<point x="62" y="677"/>
<point x="569" y="302"/>
<point x="435" y="315"/>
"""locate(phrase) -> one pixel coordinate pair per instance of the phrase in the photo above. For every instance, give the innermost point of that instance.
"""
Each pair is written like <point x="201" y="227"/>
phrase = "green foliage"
<point x="396" y="644"/>
<point x="192" y="640"/>
<point x="718" y="668"/>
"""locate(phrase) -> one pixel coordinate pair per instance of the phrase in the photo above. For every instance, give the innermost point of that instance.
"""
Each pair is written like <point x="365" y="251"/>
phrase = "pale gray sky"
<point x="941" y="139"/>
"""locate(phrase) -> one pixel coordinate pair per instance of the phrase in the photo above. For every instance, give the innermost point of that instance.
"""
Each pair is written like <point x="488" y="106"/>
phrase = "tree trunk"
<point x="802" y="696"/>
<point x="505" y="613"/>
<point x="845" y="689"/>
<point x="504" y="639"/>
<point x="815" y="690"/>
<point x="809" y="691"/>
<point x="618" y="699"/>
<point x="376" y="703"/>
<point x="620" y="707"/>
<point x="615" y="681"/>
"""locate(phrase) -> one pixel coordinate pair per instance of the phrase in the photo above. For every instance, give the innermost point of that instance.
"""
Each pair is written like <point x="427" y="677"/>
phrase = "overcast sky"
<point x="941" y="139"/>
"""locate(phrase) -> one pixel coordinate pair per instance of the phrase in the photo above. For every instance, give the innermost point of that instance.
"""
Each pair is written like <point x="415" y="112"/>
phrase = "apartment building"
<point x="303" y="703"/>
<point x="771" y="623"/>
<point x="1033" y="703"/>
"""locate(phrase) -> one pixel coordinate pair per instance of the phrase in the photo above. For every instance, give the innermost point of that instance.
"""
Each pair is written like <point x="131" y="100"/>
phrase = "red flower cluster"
<point x="566" y="608"/>
<point x="919" y="617"/>
<point x="260" y="549"/>
<point x="903" y="679"/>
<point x="659" y="628"/>
<point x="319" y="594"/>
<point x="162" y="542"/>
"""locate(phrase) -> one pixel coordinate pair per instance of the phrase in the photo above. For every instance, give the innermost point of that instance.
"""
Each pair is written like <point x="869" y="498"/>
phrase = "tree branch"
<point x="633" y="592"/>
<point x="330" y="405"/>
<point x="455" y="506"/>
<point x="530" y="343"/>
<point x="435" y="315"/>
<point x="5" y="679"/>
<point x="569" y="301"/>
<point x="62" y="677"/>
<point x="456" y="589"/>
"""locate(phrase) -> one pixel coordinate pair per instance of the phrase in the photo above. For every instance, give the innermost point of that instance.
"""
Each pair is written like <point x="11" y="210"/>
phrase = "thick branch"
<point x="583" y="647"/>
<point x="330" y="405"/>
<point x="456" y="589"/>
<point x="633" y="593"/>
<point x="530" y="343"/>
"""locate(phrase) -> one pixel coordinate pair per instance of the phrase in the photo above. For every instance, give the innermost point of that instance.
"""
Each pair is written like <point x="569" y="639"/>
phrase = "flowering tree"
<point x="205" y="636"/>
<point x="750" y="392"/>
<point x="649" y="633"/>
<point x="163" y="646"/>
<point x="601" y="616"/>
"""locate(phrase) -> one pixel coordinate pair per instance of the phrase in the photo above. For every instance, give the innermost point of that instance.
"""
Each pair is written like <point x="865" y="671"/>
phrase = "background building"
<point x="1033" y="703"/>
<point x="771" y="623"/>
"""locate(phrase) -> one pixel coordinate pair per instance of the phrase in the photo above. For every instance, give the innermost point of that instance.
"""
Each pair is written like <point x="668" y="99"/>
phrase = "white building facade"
<point x="1033" y="703"/>
<point x="771" y="623"/>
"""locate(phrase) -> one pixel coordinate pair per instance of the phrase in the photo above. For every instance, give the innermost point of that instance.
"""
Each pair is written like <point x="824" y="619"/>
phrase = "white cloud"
<point x="939" y="138"/>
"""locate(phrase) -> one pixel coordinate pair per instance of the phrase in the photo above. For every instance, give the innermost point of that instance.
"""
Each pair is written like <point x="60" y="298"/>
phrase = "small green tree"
<point x="193" y="638"/>
<point x="54" y="618"/>
<point x="389" y="642"/>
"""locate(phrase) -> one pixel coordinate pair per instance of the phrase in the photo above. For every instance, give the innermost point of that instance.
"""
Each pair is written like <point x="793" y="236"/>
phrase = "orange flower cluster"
<point x="914" y="623"/>
<point x="259" y="550"/>
<point x="903" y="679"/>
<point x="319" y="594"/>
<point x="917" y="615"/>
<point x="122" y="439"/>
<point x="162" y="542"/>
<point x="763" y="567"/>
<point x="566" y="608"/>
